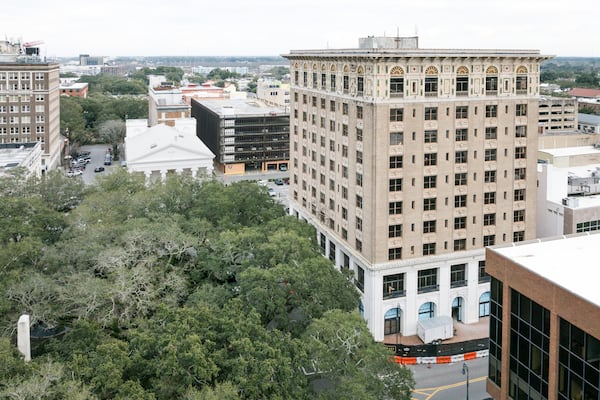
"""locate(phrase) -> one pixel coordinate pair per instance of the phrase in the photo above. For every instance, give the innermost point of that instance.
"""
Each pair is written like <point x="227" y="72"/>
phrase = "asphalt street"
<point x="447" y="382"/>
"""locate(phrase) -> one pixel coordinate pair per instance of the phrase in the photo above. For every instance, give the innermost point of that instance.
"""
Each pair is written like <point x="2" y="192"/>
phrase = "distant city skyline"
<point x="274" y="27"/>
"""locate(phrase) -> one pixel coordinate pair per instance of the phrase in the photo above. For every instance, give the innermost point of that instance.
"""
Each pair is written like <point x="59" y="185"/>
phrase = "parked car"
<point x="278" y="182"/>
<point x="283" y="167"/>
<point x="74" y="172"/>
<point x="98" y="169"/>
<point x="271" y="192"/>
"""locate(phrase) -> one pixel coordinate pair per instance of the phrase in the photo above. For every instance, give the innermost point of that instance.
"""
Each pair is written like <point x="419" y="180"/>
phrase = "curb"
<point x="440" y="359"/>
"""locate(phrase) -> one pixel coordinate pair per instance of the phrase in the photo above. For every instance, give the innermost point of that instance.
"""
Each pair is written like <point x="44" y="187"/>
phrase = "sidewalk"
<point x="464" y="332"/>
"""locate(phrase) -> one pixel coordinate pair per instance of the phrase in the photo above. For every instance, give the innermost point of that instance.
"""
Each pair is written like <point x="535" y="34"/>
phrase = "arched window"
<point x="491" y="80"/>
<point x="360" y="81"/>
<point x="346" y="80"/>
<point x="392" y="321"/>
<point x="332" y="78"/>
<point x="484" y="304"/>
<point x="427" y="311"/>
<point x="397" y="82"/>
<point x="431" y="81"/>
<point x="521" y="80"/>
<point x="462" y="81"/>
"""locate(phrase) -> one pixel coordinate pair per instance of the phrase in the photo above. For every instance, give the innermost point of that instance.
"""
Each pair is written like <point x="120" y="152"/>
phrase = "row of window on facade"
<point x="460" y="112"/>
<point x="13" y="76"/>
<point x="21" y="98"/>
<point x="529" y="351"/>
<point x="429" y="249"/>
<point x="429" y="85"/>
<point x="15" y="130"/>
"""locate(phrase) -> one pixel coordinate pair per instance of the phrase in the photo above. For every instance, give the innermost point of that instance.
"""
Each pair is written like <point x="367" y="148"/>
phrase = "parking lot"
<point x="97" y="154"/>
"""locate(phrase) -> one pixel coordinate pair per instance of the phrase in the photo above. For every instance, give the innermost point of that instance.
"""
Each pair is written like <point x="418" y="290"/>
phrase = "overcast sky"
<point x="274" y="27"/>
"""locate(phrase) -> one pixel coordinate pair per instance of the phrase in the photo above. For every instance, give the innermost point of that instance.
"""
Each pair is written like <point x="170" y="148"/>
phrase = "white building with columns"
<point x="160" y="150"/>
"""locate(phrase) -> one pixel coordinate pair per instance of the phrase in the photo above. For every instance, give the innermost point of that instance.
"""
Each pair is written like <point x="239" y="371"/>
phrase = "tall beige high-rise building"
<point x="409" y="162"/>
<point x="30" y="104"/>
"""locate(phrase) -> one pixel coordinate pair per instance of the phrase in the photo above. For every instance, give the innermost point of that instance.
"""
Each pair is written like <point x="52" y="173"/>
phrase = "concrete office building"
<point x="409" y="162"/>
<point x="29" y="105"/>
<point x="557" y="114"/>
<point x="246" y="135"/>
<point x="545" y="319"/>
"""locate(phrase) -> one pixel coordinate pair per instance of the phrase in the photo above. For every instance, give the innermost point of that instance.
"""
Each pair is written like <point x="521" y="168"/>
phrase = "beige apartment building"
<point x="409" y="162"/>
<point x="29" y="105"/>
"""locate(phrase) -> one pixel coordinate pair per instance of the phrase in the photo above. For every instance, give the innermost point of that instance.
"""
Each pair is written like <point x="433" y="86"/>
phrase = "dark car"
<point x="98" y="169"/>
<point x="278" y="182"/>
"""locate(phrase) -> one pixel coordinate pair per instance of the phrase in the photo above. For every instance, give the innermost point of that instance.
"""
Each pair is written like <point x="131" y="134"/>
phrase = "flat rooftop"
<point x="420" y="53"/>
<point x="570" y="262"/>
<point x="241" y="107"/>
<point x="13" y="154"/>
<point x="571" y="151"/>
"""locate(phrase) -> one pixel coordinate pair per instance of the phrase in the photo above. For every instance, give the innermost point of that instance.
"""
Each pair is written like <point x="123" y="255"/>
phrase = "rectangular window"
<point x="429" y="204"/>
<point x="489" y="198"/>
<point x="461" y="135"/>
<point x="490" y="154"/>
<point x="359" y="201"/>
<point x="359" y="157"/>
<point x="360" y="278"/>
<point x="429" y="226"/>
<point x="323" y="82"/>
<point x="359" y="135"/>
<point x="358" y="224"/>
<point x="482" y="275"/>
<point x="491" y="111"/>
<point x="332" y="106"/>
<point x="489" y="176"/>
<point x="430" y="159"/>
<point x="520" y="173"/>
<point x="520" y="152"/>
<point x="430" y="113"/>
<point x="491" y="85"/>
<point x="521" y="110"/>
<point x="519" y="195"/>
<point x="521" y="84"/>
<point x="489" y="219"/>
<point x="395" y="254"/>
<point x="521" y="131"/>
<point x="396" y="138"/>
<point x="345" y="83"/>
<point x="359" y="112"/>
<point x="396" y="86"/>
<point x="359" y="179"/>
<point x="458" y="275"/>
<point x="460" y="157"/>
<point x="462" y="112"/>
<point x="460" y="201"/>
<point x="489" y="240"/>
<point x="345" y="108"/>
<point x="431" y="86"/>
<point x="427" y="278"/>
<point x="395" y="208"/>
<point x="491" y="132"/>
<point x="429" y="182"/>
<point x="395" y="185"/>
<point x="518" y="236"/>
<point x="360" y="85"/>
<point x="460" y="179"/>
<point x="462" y="85"/>
<point x="519" y="216"/>
<point x="332" y="82"/>
<point x="393" y="285"/>
<point x="395" y="162"/>
<point x="395" y="231"/>
<point x="460" y="244"/>
<point x="396" y="114"/>
<point x="430" y="137"/>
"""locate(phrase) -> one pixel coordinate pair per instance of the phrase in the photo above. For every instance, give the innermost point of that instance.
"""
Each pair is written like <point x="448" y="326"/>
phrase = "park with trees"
<point x="185" y="289"/>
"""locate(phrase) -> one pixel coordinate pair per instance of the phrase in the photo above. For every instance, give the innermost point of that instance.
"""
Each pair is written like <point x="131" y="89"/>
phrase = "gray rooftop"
<point x="241" y="107"/>
<point x="589" y="119"/>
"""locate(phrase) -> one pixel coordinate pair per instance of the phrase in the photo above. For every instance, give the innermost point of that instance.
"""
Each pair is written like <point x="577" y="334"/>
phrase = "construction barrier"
<point x="440" y="359"/>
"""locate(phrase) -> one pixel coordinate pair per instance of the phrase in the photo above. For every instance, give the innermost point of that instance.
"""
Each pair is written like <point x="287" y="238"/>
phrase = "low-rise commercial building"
<point x="25" y="155"/>
<point x="545" y="319"/>
<point x="245" y="134"/>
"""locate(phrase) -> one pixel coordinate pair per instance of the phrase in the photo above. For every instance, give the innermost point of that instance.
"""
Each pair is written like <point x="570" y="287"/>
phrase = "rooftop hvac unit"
<point x="565" y="201"/>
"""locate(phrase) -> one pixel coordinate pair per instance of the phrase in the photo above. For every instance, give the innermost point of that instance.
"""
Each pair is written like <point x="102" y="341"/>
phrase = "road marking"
<point x="430" y="392"/>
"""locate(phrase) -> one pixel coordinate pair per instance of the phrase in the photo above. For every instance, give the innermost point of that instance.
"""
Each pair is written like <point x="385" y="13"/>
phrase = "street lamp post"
<point x="465" y="371"/>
